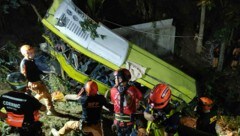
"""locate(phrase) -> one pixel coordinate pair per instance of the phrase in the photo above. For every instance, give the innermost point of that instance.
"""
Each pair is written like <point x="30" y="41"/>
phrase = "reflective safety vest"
<point x="16" y="120"/>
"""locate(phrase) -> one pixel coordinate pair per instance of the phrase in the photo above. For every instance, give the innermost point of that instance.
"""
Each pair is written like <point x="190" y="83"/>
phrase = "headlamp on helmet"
<point x="160" y="96"/>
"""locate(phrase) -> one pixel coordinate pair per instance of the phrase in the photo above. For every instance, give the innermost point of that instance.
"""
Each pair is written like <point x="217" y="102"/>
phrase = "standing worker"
<point x="92" y="104"/>
<point x="125" y="99"/>
<point x="30" y="70"/>
<point x="235" y="56"/>
<point x="22" y="108"/>
<point x="216" y="54"/>
<point x="207" y="117"/>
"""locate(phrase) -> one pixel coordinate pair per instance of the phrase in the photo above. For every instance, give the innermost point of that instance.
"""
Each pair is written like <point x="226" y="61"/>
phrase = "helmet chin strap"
<point x="119" y="83"/>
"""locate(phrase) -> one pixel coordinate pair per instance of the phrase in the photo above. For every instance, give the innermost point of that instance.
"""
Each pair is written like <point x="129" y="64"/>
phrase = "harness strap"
<point x="122" y="90"/>
<point x="123" y="117"/>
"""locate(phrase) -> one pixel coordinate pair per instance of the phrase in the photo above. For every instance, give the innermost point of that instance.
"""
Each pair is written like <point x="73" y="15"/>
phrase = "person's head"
<point x="205" y="104"/>
<point x="91" y="88"/>
<point x="27" y="51"/>
<point x="160" y="96"/>
<point x="122" y="76"/>
<point x="17" y="81"/>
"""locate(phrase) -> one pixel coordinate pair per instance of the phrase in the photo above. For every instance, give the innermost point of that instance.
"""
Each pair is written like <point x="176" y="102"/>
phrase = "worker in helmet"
<point x="22" y="109"/>
<point x="92" y="104"/>
<point x="125" y="99"/>
<point x="158" y="110"/>
<point x="30" y="70"/>
<point x="207" y="117"/>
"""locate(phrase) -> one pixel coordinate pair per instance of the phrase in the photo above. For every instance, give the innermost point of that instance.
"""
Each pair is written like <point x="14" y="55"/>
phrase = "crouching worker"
<point x="22" y="110"/>
<point x="158" y="111"/>
<point x="92" y="104"/>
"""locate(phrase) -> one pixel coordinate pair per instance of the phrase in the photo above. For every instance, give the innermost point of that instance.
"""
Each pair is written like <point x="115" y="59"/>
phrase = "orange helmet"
<point x="25" y="48"/>
<point x="206" y="103"/>
<point x="123" y="73"/>
<point x="160" y="96"/>
<point x="91" y="88"/>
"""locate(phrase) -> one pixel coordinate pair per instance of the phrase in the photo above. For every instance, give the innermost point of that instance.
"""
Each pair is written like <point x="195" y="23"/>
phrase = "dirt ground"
<point x="73" y="112"/>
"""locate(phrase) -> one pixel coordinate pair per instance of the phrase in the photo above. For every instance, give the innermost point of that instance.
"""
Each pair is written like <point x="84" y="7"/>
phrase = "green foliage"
<point x="231" y="122"/>
<point x="6" y="5"/>
<point x="208" y="3"/>
<point x="5" y="129"/>
<point x="9" y="59"/>
<point x="56" y="83"/>
<point x="90" y="26"/>
<point x="94" y="7"/>
<point x="222" y="34"/>
<point x="3" y="72"/>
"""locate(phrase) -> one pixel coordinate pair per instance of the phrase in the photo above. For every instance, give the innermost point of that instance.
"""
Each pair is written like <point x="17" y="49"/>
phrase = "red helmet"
<point x="91" y="88"/>
<point x="160" y="96"/>
<point x="206" y="103"/>
<point x="123" y="73"/>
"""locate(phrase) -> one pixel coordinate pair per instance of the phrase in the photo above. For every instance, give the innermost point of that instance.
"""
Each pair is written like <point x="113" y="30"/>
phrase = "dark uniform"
<point x="90" y="118"/>
<point x="92" y="107"/>
<point x="207" y="119"/>
<point x="22" y="112"/>
<point x="31" y="70"/>
<point x="207" y="122"/>
<point x="164" y="119"/>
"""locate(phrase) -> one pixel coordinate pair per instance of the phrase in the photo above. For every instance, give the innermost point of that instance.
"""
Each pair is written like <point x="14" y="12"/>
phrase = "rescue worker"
<point x="22" y="109"/>
<point x="30" y="70"/>
<point x="158" y="110"/>
<point x="92" y="104"/>
<point x="207" y="118"/>
<point x="125" y="99"/>
<point x="216" y="54"/>
<point x="235" y="57"/>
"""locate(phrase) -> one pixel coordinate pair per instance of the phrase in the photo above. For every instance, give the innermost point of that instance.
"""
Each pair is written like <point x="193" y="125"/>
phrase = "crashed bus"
<point x="83" y="57"/>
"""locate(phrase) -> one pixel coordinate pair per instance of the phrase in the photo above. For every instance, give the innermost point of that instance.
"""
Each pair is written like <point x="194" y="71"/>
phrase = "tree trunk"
<point x="201" y="29"/>
<point x="221" y="57"/>
<point x="222" y="51"/>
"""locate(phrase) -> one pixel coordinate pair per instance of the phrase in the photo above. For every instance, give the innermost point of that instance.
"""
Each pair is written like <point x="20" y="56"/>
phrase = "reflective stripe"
<point x="14" y="119"/>
<point x="14" y="98"/>
<point x="123" y="118"/>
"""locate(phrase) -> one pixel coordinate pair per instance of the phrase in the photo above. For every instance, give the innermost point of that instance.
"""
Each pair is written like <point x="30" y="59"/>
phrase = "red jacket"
<point x="131" y="100"/>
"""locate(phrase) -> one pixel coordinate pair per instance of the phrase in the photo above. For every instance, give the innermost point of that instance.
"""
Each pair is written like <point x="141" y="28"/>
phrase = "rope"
<point x="127" y="27"/>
